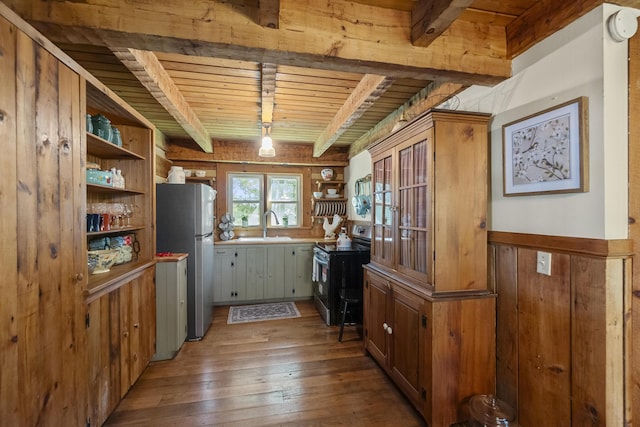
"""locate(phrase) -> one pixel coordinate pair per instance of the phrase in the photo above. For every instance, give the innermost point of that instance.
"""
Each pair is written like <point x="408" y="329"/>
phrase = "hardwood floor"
<point x="291" y="372"/>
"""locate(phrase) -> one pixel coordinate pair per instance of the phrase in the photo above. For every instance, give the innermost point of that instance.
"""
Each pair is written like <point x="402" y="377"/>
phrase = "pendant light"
<point x="266" y="149"/>
<point x="400" y="123"/>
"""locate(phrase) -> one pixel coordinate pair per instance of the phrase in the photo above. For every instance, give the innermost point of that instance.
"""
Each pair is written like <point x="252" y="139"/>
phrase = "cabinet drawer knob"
<point x="125" y="334"/>
<point x="136" y="325"/>
<point x="385" y="326"/>
<point x="389" y="330"/>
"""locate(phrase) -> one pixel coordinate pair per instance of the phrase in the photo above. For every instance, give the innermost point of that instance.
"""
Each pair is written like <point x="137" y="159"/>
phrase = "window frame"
<point x="265" y="203"/>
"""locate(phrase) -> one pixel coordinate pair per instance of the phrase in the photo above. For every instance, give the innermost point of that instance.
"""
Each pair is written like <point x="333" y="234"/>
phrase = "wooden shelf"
<point x="97" y="146"/>
<point x="314" y="217"/>
<point x="113" y="231"/>
<point x="106" y="189"/>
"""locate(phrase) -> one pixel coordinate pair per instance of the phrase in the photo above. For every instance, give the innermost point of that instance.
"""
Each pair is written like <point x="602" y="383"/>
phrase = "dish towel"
<point x="314" y="271"/>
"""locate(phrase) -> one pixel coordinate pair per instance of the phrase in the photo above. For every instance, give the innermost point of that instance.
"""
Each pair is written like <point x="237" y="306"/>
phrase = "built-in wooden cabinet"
<point x="429" y="316"/>
<point x="262" y="272"/>
<point x="74" y="343"/>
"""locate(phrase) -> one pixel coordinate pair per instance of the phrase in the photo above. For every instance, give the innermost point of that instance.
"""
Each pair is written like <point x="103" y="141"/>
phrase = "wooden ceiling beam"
<point x="269" y="13"/>
<point x="148" y="70"/>
<point x="268" y="83"/>
<point x="430" y="18"/>
<point x="429" y="97"/>
<point x="544" y="18"/>
<point x="347" y="36"/>
<point x="370" y="88"/>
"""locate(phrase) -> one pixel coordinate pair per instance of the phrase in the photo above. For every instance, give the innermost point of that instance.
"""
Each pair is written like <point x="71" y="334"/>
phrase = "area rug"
<point x="261" y="312"/>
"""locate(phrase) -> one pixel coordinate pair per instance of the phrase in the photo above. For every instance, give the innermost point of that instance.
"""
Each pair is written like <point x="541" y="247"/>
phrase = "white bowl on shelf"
<point x="318" y="194"/>
<point x="201" y="174"/>
<point x="331" y="191"/>
<point x="187" y="172"/>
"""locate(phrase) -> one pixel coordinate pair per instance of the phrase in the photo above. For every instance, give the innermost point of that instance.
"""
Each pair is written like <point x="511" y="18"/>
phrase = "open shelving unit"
<point x="135" y="159"/>
<point x="327" y="207"/>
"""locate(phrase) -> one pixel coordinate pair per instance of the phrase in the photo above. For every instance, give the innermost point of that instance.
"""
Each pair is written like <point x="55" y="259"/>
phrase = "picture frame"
<point x="547" y="152"/>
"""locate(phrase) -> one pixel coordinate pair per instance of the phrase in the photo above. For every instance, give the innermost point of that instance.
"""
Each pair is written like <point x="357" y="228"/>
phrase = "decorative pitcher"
<point x="176" y="175"/>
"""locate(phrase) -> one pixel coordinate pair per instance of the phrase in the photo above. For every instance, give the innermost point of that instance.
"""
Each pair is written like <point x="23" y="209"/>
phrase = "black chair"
<point x="349" y="300"/>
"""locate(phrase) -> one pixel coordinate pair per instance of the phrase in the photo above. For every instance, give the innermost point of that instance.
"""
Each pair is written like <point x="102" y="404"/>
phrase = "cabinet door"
<point x="182" y="303"/>
<point x="304" y="266"/>
<point x="224" y="263"/>
<point x="290" y="273"/>
<point x="274" y="285"/>
<point x="407" y="340"/>
<point x="297" y="269"/>
<point x="414" y="193"/>
<point x="382" y="245"/>
<point x="121" y="310"/>
<point x="240" y="267"/>
<point x="376" y="298"/>
<point x="255" y="273"/>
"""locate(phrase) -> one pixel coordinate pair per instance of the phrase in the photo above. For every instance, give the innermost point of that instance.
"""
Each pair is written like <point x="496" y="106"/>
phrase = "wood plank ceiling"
<point x="337" y="73"/>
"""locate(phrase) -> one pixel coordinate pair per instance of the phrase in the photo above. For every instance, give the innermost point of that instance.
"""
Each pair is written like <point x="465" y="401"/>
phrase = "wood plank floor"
<point x="291" y="372"/>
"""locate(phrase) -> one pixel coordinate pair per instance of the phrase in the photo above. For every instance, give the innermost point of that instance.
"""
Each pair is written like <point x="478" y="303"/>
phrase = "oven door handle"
<point x="320" y="261"/>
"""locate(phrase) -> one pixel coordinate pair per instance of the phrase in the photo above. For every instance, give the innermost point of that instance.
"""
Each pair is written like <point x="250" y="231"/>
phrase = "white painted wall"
<point x="579" y="60"/>
<point x="359" y="167"/>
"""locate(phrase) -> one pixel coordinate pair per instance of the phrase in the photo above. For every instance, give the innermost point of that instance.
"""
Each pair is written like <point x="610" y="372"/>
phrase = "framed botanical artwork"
<point x="547" y="152"/>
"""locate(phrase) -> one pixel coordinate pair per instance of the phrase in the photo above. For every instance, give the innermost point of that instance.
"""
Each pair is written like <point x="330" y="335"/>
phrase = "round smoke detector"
<point x="622" y="25"/>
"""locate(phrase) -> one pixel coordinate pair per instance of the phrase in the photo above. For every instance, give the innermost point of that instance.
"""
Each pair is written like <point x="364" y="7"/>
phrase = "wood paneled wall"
<point x="561" y="338"/>
<point x="42" y="339"/>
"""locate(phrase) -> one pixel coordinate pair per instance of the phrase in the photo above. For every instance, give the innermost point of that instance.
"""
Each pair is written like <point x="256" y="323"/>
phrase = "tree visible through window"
<point x="248" y="199"/>
<point x="284" y="196"/>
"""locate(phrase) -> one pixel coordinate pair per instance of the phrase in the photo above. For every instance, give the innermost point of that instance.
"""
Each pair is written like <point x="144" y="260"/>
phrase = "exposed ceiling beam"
<point x="429" y="97"/>
<point x="430" y="18"/>
<point x="268" y="82"/>
<point x="368" y="90"/>
<point x="544" y="18"/>
<point x="269" y="13"/>
<point x="346" y="37"/>
<point x="150" y="72"/>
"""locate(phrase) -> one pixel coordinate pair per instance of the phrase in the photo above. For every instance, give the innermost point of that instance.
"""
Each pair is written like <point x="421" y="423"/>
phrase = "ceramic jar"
<point x="327" y="174"/>
<point x="89" y="124"/>
<point x="102" y="127"/>
<point x="176" y="175"/>
<point x="116" y="138"/>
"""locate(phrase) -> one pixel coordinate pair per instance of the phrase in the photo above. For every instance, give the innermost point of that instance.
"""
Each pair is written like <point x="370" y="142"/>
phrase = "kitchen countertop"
<point x="294" y="240"/>
<point x="171" y="258"/>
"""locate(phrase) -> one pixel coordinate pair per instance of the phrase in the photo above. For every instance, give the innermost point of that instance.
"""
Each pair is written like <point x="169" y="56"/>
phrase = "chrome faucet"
<point x="264" y="223"/>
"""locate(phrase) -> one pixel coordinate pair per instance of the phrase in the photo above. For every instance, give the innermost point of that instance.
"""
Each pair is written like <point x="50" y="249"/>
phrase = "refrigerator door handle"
<point x="205" y="235"/>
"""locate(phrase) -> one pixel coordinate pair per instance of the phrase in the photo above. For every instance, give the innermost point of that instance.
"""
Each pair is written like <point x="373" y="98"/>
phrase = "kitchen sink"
<point x="264" y="239"/>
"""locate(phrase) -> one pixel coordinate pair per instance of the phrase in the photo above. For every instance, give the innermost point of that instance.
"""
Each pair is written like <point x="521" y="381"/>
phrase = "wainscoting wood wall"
<point x="633" y="334"/>
<point x="561" y="338"/>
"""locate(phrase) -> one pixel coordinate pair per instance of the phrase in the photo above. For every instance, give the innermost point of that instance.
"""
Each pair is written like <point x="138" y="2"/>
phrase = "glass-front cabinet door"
<point x="382" y="250"/>
<point x="415" y="247"/>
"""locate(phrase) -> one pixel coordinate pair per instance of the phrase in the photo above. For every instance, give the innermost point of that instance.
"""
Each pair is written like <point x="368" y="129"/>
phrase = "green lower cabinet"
<point x="254" y="273"/>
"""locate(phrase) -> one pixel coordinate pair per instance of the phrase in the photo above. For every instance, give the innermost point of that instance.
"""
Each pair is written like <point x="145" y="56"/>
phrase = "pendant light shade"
<point x="266" y="149"/>
<point x="400" y="123"/>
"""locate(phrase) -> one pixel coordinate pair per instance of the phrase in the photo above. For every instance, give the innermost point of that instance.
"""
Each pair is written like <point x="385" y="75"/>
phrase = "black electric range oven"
<point x="337" y="268"/>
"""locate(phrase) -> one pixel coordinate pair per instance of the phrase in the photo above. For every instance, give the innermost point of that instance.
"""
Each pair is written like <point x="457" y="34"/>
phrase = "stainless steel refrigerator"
<point x="184" y="223"/>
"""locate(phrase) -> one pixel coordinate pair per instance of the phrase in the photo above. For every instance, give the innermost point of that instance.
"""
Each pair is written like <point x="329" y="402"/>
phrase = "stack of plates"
<point x="332" y="196"/>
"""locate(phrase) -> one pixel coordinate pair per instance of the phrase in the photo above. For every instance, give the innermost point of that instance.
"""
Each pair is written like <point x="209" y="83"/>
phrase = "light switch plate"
<point x="543" y="264"/>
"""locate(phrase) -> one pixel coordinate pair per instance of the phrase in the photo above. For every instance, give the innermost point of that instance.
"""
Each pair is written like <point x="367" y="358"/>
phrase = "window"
<point x="249" y="200"/>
